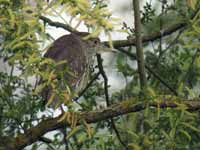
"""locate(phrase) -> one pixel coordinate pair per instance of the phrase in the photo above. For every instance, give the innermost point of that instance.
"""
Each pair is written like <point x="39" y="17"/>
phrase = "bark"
<point x="139" y="50"/>
<point x="123" y="43"/>
<point x="35" y="133"/>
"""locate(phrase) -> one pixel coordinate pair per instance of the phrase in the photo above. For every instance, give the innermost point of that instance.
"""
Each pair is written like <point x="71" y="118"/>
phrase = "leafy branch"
<point x="35" y="133"/>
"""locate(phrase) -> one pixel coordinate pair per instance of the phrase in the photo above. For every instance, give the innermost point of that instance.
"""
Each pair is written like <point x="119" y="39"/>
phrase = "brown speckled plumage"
<point x="78" y="54"/>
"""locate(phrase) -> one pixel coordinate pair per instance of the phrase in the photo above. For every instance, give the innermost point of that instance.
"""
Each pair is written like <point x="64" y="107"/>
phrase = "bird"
<point x="79" y="56"/>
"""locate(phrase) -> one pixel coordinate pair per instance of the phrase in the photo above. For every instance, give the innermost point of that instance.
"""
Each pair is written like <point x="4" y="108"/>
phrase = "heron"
<point x="79" y="56"/>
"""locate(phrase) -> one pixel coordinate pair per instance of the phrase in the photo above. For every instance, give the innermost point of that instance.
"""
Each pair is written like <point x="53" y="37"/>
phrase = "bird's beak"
<point x="104" y="48"/>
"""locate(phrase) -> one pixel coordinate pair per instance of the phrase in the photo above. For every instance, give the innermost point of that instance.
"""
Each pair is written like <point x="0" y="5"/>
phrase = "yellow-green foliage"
<point x="23" y="34"/>
<point x="94" y="16"/>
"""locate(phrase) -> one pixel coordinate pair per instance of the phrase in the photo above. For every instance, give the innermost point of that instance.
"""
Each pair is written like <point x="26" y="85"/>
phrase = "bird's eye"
<point x="95" y="41"/>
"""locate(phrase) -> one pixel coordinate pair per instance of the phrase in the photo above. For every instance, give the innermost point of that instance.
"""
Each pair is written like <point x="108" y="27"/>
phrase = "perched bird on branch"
<point x="78" y="54"/>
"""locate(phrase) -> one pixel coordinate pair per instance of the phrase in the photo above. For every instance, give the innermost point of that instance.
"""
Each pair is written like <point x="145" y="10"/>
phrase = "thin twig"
<point x="161" y="80"/>
<point x="87" y="86"/>
<point x="65" y="138"/>
<point x="150" y="71"/>
<point x="172" y="43"/>
<point x="45" y="140"/>
<point x="101" y="70"/>
<point x="58" y="24"/>
<point x="185" y="78"/>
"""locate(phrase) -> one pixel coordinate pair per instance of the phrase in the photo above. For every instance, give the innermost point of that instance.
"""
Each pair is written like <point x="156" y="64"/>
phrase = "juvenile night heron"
<point x="78" y="53"/>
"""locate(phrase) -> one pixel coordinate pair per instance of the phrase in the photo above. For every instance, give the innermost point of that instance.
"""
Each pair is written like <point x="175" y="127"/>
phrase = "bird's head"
<point x="94" y="44"/>
<point x="98" y="47"/>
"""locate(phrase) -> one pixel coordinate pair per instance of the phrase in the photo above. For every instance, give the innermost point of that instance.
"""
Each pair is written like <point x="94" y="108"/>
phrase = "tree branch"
<point x="33" y="134"/>
<point x="161" y="80"/>
<point x="58" y="24"/>
<point x="87" y="87"/>
<point x="101" y="70"/>
<point x="150" y="71"/>
<point x="139" y="50"/>
<point x="154" y="36"/>
<point x="131" y="41"/>
<point x="45" y="140"/>
<point x="122" y="43"/>
<point x="148" y="38"/>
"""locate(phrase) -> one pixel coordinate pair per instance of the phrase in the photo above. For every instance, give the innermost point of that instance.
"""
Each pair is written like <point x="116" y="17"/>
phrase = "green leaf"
<point x="186" y="134"/>
<point x="172" y="133"/>
<point x="190" y="126"/>
<point x="71" y="133"/>
<point x="12" y="17"/>
<point x="165" y="134"/>
<point x="180" y="88"/>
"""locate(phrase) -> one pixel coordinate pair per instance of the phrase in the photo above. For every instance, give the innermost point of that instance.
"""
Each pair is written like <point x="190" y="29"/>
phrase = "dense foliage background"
<point x="166" y="110"/>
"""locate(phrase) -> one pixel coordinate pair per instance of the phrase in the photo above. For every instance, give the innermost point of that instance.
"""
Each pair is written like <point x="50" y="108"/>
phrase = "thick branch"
<point x="139" y="50"/>
<point x="132" y="41"/>
<point x="154" y="36"/>
<point x="122" y="43"/>
<point x="33" y="134"/>
<point x="148" y="38"/>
